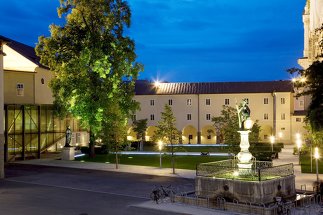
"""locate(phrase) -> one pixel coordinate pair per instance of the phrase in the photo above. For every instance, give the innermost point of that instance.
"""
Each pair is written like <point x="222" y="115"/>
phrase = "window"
<point x="189" y="102"/>
<point x="265" y="137"/>
<point x="283" y="129"/>
<point x="189" y="116"/>
<point x="282" y="101"/>
<point x="301" y="103"/>
<point x="152" y="102"/>
<point x="266" y="116"/>
<point x="42" y="81"/>
<point x="298" y="119"/>
<point x="208" y="116"/>
<point x="152" y="117"/>
<point x="170" y="102"/>
<point x="282" y="116"/>
<point x="226" y="101"/>
<point x="266" y="101"/>
<point x="207" y="101"/>
<point x="133" y="117"/>
<point x="20" y="89"/>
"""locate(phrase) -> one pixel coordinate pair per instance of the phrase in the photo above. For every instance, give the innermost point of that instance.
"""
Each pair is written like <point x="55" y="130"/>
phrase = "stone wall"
<point x="260" y="192"/>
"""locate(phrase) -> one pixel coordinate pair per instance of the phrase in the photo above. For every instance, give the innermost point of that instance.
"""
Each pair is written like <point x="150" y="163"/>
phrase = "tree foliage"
<point x="167" y="131"/>
<point x="227" y="127"/>
<point x="140" y="127"/>
<point x="166" y="128"/>
<point x="93" y="63"/>
<point x="311" y="83"/>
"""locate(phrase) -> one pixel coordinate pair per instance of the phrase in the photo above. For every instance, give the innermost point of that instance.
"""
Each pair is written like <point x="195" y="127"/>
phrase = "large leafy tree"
<point x="311" y="83"/>
<point x="140" y="126"/>
<point x="167" y="131"/>
<point x="93" y="62"/>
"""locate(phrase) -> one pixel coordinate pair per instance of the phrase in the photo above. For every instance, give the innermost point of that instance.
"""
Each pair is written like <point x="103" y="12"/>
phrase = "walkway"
<point x="285" y="156"/>
<point x="302" y="180"/>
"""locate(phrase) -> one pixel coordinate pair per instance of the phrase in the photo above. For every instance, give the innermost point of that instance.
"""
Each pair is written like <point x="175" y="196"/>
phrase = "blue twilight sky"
<point x="190" y="40"/>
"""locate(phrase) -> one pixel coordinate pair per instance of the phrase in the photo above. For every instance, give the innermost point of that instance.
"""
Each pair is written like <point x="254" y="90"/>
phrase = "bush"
<point x="85" y="150"/>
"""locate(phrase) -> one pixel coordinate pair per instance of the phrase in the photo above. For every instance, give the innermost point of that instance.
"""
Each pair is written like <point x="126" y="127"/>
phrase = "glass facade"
<point x="31" y="129"/>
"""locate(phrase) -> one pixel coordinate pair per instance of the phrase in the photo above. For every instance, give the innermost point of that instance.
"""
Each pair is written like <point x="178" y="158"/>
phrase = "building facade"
<point x="313" y="20"/>
<point x="272" y="104"/>
<point x="30" y="126"/>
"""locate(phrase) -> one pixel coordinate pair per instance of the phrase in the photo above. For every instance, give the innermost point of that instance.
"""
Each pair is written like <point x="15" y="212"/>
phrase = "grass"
<point x="181" y="162"/>
<point x="306" y="164"/>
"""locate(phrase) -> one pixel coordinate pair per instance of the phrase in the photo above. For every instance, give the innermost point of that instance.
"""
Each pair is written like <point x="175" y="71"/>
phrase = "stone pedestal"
<point x="68" y="153"/>
<point x="244" y="155"/>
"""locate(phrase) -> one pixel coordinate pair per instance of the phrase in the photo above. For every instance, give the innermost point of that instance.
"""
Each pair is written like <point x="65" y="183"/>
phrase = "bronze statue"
<point x="68" y="137"/>
<point x="243" y="113"/>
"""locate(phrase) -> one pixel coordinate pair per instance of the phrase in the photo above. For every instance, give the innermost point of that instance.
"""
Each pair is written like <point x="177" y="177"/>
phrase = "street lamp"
<point x="272" y="141"/>
<point x="299" y="145"/>
<point x="317" y="156"/>
<point x="160" y="147"/>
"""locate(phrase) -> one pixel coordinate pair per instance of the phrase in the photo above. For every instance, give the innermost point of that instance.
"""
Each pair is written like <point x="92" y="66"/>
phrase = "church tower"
<point x="313" y="20"/>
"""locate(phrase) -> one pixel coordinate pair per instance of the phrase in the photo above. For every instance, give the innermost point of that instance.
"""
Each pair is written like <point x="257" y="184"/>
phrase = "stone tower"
<point x="313" y="20"/>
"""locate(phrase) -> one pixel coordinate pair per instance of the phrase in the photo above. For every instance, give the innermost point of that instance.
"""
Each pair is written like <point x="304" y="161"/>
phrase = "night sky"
<point x="190" y="40"/>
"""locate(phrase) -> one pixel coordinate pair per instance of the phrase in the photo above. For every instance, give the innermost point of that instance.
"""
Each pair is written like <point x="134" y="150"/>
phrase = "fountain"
<point x="243" y="179"/>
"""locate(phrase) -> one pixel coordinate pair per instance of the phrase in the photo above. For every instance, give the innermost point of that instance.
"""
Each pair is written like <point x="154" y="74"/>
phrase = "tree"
<point x="93" y="63"/>
<point x="227" y="125"/>
<point x="114" y="130"/>
<point x="167" y="131"/>
<point x="140" y="126"/>
<point x="311" y="83"/>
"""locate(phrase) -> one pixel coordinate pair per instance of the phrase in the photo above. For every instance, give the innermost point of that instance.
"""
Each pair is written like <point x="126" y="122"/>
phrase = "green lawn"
<point x="181" y="162"/>
<point x="306" y="164"/>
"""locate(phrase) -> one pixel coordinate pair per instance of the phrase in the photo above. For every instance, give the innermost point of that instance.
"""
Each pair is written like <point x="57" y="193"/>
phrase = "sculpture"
<point x="68" y="137"/>
<point x="243" y="113"/>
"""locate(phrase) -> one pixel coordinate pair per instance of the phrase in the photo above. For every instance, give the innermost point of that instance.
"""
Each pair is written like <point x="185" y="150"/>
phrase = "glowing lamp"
<point x="236" y="173"/>
<point x="299" y="143"/>
<point x="280" y="134"/>
<point x="248" y="123"/>
<point x="316" y="153"/>
<point x="160" y="145"/>
<point x="272" y="139"/>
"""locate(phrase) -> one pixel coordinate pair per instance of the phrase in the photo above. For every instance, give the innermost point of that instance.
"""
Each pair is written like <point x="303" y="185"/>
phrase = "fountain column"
<point x="244" y="156"/>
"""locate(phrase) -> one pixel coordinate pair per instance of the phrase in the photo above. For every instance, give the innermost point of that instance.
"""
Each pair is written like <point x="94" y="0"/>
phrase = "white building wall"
<point x="198" y="110"/>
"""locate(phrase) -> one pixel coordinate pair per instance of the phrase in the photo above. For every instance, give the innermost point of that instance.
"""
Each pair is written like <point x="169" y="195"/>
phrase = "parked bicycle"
<point x="160" y="192"/>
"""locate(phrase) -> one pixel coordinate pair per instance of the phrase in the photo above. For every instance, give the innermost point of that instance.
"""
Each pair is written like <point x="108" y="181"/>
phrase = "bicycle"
<point x="161" y="192"/>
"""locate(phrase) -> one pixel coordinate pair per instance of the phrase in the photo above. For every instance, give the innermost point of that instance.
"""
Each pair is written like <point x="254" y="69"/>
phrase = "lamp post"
<point x="160" y="147"/>
<point x="272" y="141"/>
<point x="299" y="145"/>
<point x="317" y="156"/>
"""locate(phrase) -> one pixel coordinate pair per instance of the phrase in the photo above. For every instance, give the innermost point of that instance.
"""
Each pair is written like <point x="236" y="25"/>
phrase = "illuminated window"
<point x="20" y="89"/>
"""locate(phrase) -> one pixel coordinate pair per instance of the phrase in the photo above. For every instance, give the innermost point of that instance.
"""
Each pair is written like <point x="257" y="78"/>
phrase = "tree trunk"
<point x="91" y="145"/>
<point x="173" y="160"/>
